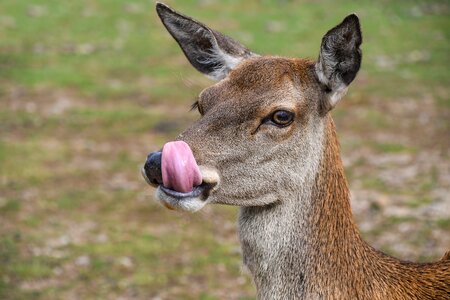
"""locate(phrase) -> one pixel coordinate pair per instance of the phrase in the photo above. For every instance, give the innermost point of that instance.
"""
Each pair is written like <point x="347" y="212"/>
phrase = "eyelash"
<point x="197" y="106"/>
<point x="194" y="106"/>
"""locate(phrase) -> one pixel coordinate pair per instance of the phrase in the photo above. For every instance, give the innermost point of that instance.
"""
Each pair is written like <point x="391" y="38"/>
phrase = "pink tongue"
<point x="180" y="171"/>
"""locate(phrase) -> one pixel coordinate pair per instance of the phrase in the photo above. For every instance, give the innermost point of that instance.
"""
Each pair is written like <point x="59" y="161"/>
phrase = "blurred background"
<point x="88" y="88"/>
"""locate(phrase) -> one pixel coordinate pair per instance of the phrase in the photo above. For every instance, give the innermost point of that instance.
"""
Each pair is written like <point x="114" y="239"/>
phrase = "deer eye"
<point x="282" y="118"/>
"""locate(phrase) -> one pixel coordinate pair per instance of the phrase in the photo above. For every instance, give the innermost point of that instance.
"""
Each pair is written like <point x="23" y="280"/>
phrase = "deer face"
<point x="261" y="129"/>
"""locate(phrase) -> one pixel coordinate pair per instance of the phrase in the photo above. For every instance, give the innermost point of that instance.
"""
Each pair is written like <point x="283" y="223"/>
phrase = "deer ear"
<point x="209" y="51"/>
<point x="339" y="59"/>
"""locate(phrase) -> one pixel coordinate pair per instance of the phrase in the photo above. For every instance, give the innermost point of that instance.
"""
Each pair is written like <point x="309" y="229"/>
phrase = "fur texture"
<point x="339" y="59"/>
<point x="209" y="51"/>
<point x="297" y="233"/>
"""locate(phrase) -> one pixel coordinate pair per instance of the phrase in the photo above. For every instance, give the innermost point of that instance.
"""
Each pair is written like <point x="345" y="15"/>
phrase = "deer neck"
<point x="286" y="245"/>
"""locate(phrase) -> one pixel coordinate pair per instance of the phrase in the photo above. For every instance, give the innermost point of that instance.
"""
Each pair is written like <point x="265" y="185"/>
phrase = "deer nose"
<point x="152" y="168"/>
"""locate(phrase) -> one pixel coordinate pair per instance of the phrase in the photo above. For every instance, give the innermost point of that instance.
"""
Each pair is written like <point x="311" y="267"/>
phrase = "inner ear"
<point x="210" y="52"/>
<point x="339" y="59"/>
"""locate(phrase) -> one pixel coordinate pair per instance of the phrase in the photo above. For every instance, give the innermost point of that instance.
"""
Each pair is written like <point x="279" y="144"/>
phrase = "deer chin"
<point x="191" y="201"/>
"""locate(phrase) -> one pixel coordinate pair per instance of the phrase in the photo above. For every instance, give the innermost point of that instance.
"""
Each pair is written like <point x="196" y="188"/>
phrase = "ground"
<point x="88" y="88"/>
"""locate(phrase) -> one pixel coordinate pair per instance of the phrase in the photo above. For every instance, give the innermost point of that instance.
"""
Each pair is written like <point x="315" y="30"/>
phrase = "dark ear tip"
<point x="353" y="20"/>
<point x="160" y="5"/>
<point x="162" y="8"/>
<point x="353" y="16"/>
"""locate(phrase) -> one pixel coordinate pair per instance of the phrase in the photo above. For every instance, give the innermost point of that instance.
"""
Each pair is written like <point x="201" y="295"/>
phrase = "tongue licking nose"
<point x="180" y="171"/>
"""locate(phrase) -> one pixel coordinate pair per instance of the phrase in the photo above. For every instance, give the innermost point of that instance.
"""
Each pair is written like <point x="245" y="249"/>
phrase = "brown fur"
<point x="341" y="253"/>
<point x="296" y="228"/>
<point x="342" y="265"/>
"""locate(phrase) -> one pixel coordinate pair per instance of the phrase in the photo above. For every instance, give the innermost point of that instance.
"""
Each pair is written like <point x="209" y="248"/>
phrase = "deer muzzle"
<point x="181" y="183"/>
<point x="151" y="171"/>
<point x="174" y="168"/>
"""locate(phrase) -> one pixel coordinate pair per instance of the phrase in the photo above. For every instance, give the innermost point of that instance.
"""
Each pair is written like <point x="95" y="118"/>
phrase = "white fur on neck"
<point x="266" y="235"/>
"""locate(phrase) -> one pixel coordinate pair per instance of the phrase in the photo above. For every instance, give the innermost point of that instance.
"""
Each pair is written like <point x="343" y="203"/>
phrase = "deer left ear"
<point x="209" y="51"/>
<point x="339" y="59"/>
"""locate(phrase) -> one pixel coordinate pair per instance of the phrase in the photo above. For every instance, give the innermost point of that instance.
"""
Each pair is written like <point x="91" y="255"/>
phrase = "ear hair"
<point x="339" y="59"/>
<point x="210" y="52"/>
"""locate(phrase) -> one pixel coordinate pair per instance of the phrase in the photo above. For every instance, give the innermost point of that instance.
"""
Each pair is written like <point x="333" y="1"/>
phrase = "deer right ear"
<point x="209" y="51"/>
<point x="339" y="59"/>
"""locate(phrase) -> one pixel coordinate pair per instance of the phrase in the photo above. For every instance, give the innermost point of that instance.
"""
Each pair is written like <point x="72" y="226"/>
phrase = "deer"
<point x="266" y="141"/>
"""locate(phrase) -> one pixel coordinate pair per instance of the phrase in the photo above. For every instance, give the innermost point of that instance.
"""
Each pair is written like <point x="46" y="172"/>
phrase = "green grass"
<point x="391" y="147"/>
<point x="10" y="206"/>
<point x="105" y="47"/>
<point x="88" y="88"/>
<point x="443" y="223"/>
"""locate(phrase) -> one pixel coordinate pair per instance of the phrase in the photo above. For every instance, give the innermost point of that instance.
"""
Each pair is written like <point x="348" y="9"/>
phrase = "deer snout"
<point x="152" y="169"/>
<point x="175" y="172"/>
<point x="174" y="168"/>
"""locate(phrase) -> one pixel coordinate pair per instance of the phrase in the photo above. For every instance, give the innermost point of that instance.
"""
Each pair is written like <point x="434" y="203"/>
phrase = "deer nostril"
<point x="152" y="168"/>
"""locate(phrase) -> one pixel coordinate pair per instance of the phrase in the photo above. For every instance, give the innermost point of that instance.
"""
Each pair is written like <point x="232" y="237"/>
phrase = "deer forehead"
<point x="262" y="84"/>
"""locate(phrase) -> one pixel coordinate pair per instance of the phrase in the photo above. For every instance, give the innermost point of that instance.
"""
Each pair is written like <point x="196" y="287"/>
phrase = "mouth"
<point x="191" y="201"/>
<point x="196" y="192"/>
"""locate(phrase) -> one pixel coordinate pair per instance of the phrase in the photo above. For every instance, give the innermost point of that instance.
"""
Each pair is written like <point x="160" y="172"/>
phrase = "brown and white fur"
<point x="298" y="236"/>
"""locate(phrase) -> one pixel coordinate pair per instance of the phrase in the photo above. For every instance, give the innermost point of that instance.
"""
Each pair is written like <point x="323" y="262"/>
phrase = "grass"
<point x="87" y="88"/>
<point x="103" y="48"/>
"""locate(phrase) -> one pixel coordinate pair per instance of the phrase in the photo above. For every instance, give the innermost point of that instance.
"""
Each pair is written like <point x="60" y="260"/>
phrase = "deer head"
<point x="261" y="129"/>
